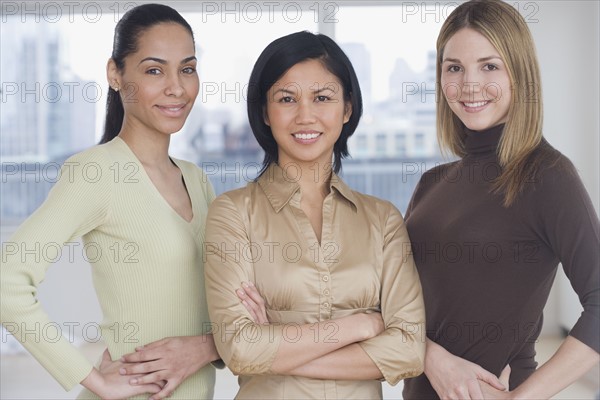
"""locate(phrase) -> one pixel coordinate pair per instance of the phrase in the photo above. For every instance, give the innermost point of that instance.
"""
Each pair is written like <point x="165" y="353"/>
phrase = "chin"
<point x="170" y="130"/>
<point x="478" y="125"/>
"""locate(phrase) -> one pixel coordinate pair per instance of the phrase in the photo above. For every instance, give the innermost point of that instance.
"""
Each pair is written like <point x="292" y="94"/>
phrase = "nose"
<point x="471" y="84"/>
<point x="306" y="111"/>
<point x="174" y="86"/>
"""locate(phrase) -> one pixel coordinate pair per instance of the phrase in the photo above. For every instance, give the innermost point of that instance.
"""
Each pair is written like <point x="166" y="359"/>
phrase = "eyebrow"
<point x="164" y="62"/>
<point x="326" y="87"/>
<point x="483" y="59"/>
<point x="284" y="91"/>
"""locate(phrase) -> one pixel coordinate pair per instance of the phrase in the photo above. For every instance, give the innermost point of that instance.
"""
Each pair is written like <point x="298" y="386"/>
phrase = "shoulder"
<point x="437" y="172"/>
<point x="233" y="200"/>
<point x="89" y="167"/>
<point x="110" y="156"/>
<point x="372" y="203"/>
<point x="228" y="215"/>
<point x="188" y="166"/>
<point x="191" y="169"/>
<point x="555" y="171"/>
<point x="99" y="153"/>
<point x="430" y="178"/>
<point x="386" y="214"/>
<point x="556" y="188"/>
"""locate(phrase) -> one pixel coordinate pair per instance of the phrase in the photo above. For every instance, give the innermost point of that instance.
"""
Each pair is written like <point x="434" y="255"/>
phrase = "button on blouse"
<point x="363" y="263"/>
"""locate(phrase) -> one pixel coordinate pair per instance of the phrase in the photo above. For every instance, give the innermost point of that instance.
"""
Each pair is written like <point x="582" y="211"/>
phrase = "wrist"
<point x="94" y="382"/>
<point x="433" y="351"/>
<point x="212" y="354"/>
<point x="519" y="393"/>
<point x="435" y="355"/>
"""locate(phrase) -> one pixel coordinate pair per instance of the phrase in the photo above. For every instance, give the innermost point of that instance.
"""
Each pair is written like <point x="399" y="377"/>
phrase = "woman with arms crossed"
<point x="333" y="265"/>
<point x="146" y="204"/>
<point x="489" y="230"/>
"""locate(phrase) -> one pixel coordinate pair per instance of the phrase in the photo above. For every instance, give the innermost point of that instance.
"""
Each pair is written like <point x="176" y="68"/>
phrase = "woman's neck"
<point x="151" y="148"/>
<point x="312" y="177"/>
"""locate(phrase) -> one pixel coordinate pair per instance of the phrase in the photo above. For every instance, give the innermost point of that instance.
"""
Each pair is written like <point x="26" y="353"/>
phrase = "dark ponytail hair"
<point x="127" y="32"/>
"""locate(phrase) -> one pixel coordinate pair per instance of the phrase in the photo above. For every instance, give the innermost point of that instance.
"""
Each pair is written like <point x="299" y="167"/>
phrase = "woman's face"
<point x="475" y="80"/>
<point x="306" y="112"/>
<point x="159" y="83"/>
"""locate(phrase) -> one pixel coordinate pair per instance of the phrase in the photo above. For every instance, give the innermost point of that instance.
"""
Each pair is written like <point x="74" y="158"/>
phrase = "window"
<point x="401" y="144"/>
<point x="53" y="96"/>
<point x="380" y="147"/>
<point x="419" y="143"/>
<point x="54" y="88"/>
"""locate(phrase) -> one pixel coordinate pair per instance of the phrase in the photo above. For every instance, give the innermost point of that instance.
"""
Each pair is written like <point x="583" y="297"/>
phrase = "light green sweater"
<point x="147" y="261"/>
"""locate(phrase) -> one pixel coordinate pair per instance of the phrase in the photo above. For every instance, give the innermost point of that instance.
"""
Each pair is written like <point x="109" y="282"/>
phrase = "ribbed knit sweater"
<point x="147" y="261"/>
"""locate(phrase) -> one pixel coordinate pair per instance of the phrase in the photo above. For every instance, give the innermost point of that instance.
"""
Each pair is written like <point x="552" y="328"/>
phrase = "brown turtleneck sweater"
<point x="487" y="270"/>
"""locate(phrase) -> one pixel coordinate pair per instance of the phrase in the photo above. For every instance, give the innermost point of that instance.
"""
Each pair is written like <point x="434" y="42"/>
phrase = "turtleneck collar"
<point x="483" y="142"/>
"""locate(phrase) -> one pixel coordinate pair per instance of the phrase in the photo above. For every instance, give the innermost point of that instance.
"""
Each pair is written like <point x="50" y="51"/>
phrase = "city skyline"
<point x="47" y="115"/>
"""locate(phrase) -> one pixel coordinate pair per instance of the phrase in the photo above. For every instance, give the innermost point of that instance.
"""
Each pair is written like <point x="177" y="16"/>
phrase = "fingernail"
<point x="122" y="371"/>
<point x="241" y="292"/>
<point x="245" y="284"/>
<point x="133" y="381"/>
<point x="250" y="283"/>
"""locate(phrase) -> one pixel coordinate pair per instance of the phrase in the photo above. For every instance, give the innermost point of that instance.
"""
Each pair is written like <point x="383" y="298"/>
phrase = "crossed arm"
<point x="333" y="365"/>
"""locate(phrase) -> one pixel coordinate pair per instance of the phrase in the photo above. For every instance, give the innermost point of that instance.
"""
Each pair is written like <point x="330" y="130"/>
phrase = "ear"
<point x="112" y="75"/>
<point x="266" y="116"/>
<point x="347" y="110"/>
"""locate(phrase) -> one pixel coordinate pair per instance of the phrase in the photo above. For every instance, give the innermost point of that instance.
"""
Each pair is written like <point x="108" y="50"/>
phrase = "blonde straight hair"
<point x="507" y="31"/>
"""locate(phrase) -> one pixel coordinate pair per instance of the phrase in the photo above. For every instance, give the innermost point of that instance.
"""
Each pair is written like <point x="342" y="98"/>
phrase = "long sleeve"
<point x="570" y="225"/>
<point x="78" y="203"/>
<point x="361" y="263"/>
<point x="399" y="351"/>
<point x="246" y="347"/>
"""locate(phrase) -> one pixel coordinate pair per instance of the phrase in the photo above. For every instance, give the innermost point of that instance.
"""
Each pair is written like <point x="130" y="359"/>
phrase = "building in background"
<point x="53" y="115"/>
<point x="47" y="113"/>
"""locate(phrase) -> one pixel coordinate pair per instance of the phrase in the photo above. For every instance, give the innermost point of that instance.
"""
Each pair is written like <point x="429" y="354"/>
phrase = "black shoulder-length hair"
<point x="278" y="57"/>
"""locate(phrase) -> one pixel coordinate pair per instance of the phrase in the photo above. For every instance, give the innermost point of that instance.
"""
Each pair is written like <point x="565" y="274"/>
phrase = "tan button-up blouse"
<point x="259" y="233"/>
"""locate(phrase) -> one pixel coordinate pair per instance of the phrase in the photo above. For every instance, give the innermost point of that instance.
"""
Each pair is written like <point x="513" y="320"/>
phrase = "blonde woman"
<point x="489" y="230"/>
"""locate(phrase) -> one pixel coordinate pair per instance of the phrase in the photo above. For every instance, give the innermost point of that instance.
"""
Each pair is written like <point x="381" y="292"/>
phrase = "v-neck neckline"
<point x="304" y="222"/>
<point x="155" y="189"/>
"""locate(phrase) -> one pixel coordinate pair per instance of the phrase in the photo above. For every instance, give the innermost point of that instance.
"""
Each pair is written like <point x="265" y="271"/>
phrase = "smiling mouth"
<point x="172" y="108"/>
<point x="476" y="104"/>
<point x="306" y="136"/>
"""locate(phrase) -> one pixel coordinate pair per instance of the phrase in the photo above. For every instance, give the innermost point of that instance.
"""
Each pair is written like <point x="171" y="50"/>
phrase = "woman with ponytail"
<point x="143" y="214"/>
